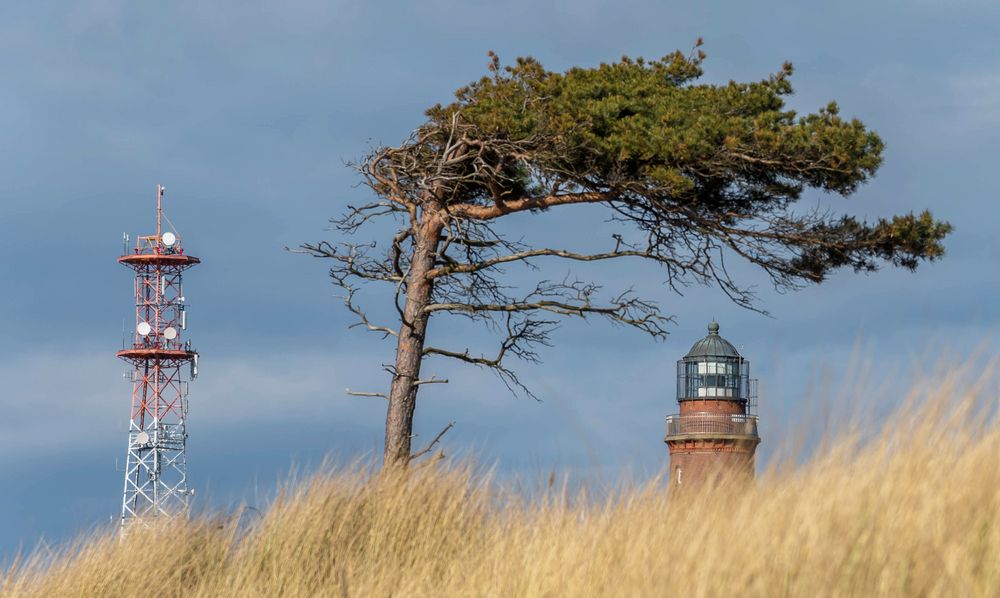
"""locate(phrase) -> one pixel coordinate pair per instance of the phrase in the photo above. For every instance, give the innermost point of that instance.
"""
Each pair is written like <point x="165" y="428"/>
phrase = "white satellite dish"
<point x="142" y="438"/>
<point x="143" y="328"/>
<point x="170" y="333"/>
<point x="168" y="238"/>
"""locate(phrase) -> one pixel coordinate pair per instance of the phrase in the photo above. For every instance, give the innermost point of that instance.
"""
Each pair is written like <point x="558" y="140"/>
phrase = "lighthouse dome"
<point x="713" y="368"/>
<point x="712" y="345"/>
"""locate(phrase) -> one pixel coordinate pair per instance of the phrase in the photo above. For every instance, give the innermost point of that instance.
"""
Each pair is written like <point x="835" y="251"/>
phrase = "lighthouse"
<point x="714" y="435"/>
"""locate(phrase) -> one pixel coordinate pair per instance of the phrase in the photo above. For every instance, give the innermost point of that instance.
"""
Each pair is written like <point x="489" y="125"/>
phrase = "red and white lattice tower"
<point x="156" y="467"/>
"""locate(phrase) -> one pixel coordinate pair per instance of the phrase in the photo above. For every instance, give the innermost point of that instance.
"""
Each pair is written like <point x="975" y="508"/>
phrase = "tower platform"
<point x="154" y="353"/>
<point x="159" y="259"/>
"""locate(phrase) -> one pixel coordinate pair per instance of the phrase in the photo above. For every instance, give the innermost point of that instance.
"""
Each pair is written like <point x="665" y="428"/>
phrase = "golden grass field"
<point x="911" y="510"/>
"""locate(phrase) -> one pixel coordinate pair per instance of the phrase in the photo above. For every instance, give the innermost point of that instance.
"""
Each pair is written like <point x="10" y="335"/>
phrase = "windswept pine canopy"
<point x="674" y="155"/>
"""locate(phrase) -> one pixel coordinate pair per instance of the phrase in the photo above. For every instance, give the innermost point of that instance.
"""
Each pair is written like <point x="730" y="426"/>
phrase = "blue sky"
<point x="247" y="110"/>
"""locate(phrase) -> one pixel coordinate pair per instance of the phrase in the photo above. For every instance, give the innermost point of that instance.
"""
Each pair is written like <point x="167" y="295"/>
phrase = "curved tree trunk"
<point x="410" y="347"/>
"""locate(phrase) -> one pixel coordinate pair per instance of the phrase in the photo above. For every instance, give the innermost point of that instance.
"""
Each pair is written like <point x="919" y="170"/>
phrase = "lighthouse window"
<point x="712" y="367"/>
<point x="710" y="379"/>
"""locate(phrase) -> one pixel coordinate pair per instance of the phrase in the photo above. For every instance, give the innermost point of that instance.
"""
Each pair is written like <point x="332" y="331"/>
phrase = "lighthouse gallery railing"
<point x="712" y="423"/>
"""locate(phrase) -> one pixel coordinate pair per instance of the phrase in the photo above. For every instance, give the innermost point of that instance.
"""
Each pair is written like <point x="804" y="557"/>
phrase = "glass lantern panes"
<point x="713" y="378"/>
<point x="717" y="379"/>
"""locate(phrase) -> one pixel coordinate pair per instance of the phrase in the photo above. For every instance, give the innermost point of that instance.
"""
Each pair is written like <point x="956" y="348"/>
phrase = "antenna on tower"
<point x="159" y="209"/>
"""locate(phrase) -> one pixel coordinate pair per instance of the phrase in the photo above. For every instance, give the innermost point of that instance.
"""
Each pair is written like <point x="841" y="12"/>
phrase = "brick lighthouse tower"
<point x="715" y="434"/>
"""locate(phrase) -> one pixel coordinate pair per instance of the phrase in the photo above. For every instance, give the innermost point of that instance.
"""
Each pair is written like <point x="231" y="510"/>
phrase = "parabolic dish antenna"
<point x="142" y="438"/>
<point x="170" y="333"/>
<point x="168" y="238"/>
<point x="143" y="328"/>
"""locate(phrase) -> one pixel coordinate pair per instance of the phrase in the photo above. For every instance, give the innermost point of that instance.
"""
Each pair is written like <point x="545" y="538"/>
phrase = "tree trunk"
<point x="410" y="347"/>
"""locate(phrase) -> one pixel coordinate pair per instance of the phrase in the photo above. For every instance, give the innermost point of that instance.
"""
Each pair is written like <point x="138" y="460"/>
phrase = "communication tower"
<point x="156" y="465"/>
<point x="715" y="434"/>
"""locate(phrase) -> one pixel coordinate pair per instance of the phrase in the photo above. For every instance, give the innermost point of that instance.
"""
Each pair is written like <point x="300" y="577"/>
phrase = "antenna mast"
<point x="159" y="208"/>
<point x="156" y="465"/>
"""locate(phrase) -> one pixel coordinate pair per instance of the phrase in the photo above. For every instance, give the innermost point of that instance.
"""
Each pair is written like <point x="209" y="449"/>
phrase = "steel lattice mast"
<point x="156" y="466"/>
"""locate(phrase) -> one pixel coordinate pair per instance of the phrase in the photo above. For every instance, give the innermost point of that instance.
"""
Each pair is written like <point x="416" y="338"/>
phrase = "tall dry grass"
<point x="912" y="511"/>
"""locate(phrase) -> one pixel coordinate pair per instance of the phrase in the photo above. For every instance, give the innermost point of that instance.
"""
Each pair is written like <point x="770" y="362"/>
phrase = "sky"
<point x="247" y="112"/>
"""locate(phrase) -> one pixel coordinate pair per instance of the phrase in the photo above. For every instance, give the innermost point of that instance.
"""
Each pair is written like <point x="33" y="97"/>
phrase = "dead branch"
<point x="357" y="216"/>
<point x="430" y="381"/>
<point x="525" y="255"/>
<point x="355" y="393"/>
<point x="348" y="301"/>
<point x="465" y="356"/>
<point x="521" y="337"/>
<point x="573" y="299"/>
<point x="353" y="261"/>
<point x="428" y="448"/>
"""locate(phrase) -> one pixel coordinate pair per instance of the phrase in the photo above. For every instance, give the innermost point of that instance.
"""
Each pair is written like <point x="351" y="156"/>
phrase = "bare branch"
<point x="348" y="301"/>
<point x="430" y="381"/>
<point x="573" y="299"/>
<point x="353" y="261"/>
<point x="437" y="438"/>
<point x="464" y="356"/>
<point x="354" y="393"/>
<point x="522" y="335"/>
<point x="525" y="255"/>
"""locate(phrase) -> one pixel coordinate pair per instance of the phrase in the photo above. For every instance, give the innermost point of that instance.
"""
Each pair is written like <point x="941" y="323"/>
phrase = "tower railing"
<point x="735" y="424"/>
